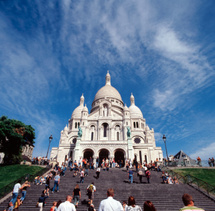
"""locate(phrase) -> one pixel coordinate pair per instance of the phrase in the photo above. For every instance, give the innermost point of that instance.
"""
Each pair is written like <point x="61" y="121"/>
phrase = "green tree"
<point x="14" y="134"/>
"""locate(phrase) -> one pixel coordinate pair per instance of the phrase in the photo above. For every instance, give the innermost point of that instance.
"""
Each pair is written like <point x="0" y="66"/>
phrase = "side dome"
<point x="135" y="112"/>
<point x="77" y="112"/>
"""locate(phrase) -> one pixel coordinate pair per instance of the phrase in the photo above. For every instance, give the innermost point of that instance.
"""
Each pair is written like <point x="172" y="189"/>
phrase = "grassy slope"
<point x="206" y="175"/>
<point x="11" y="173"/>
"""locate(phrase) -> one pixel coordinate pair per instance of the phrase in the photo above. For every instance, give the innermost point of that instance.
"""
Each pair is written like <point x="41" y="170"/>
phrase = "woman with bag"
<point x="140" y="174"/>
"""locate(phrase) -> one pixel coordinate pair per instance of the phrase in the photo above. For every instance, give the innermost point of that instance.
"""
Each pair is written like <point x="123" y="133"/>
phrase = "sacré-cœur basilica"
<point x="110" y="130"/>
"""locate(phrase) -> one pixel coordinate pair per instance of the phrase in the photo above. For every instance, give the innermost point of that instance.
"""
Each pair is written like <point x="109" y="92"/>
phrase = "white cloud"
<point x="158" y="137"/>
<point x="164" y="100"/>
<point x="205" y="152"/>
<point x="167" y="42"/>
<point x="185" y="69"/>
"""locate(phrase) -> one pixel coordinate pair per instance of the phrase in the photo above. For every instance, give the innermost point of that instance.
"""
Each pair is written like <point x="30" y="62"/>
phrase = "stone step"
<point x="165" y="197"/>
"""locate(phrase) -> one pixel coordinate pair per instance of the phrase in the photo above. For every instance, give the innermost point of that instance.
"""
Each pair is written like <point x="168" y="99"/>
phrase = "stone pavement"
<point x="165" y="197"/>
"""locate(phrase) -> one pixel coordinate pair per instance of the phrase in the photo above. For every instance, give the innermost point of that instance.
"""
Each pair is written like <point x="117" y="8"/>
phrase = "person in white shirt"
<point x="16" y="189"/>
<point x="67" y="205"/>
<point x="110" y="204"/>
<point x="98" y="172"/>
<point x="82" y="176"/>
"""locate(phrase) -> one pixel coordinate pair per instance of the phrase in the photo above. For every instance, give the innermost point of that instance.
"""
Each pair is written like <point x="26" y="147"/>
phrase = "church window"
<point x="126" y="123"/>
<point x="142" y="125"/>
<point x="117" y="128"/>
<point x="91" y="136"/>
<point x="105" y="126"/>
<point x="137" y="140"/>
<point x="76" y="125"/>
<point x="134" y="125"/>
<point x="70" y="126"/>
<point x="137" y="125"/>
<point x="83" y="123"/>
<point x="74" y="140"/>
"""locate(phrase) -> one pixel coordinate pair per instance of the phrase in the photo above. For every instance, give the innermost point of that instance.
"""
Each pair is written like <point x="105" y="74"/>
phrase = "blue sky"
<point x="162" y="51"/>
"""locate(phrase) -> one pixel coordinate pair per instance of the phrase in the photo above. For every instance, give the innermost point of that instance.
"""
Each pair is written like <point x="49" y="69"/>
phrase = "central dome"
<point x="108" y="91"/>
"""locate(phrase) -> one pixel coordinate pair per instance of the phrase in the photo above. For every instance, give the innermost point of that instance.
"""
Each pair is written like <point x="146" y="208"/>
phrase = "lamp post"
<point x="50" y="139"/>
<point x="164" y="140"/>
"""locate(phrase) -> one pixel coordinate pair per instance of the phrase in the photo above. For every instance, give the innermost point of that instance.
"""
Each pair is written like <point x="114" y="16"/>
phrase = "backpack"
<point x="148" y="173"/>
<point x="140" y="173"/>
<point x="90" y="189"/>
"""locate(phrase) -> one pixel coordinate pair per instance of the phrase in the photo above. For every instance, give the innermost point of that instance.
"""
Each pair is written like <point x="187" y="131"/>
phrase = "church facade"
<point x="110" y="130"/>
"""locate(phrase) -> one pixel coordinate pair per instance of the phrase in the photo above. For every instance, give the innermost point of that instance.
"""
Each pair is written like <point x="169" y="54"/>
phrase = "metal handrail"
<point x="8" y="188"/>
<point x="193" y="181"/>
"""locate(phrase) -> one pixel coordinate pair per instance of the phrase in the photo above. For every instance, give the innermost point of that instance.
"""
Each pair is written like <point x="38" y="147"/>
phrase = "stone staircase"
<point x="164" y="197"/>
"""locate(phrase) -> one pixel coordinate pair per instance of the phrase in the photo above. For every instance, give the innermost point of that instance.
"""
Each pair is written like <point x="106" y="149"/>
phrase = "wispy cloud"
<point x="204" y="152"/>
<point x="158" y="137"/>
<point x="191" y="72"/>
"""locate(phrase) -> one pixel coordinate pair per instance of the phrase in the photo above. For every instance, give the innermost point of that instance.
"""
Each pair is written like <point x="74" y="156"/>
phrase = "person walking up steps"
<point x="110" y="204"/>
<point x="98" y="170"/>
<point x="130" y="176"/>
<point x="17" y="187"/>
<point x="82" y="176"/>
<point x="189" y="203"/>
<point x="148" y="175"/>
<point x="24" y="190"/>
<point x="148" y="206"/>
<point x="90" y="192"/>
<point x="132" y="205"/>
<point x="67" y="205"/>
<point x="76" y="195"/>
<point x="56" y="182"/>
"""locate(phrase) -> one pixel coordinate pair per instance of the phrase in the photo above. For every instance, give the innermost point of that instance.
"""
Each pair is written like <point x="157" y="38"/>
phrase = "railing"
<point x="195" y="182"/>
<point x="8" y="188"/>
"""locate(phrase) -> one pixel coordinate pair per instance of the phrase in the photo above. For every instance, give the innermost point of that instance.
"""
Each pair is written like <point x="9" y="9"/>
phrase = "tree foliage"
<point x="14" y="134"/>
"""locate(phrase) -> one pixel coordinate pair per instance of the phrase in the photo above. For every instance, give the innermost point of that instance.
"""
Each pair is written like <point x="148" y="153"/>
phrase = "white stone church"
<point x="104" y="131"/>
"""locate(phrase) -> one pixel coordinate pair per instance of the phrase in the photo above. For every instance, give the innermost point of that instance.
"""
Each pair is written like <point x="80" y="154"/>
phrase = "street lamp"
<point x="164" y="140"/>
<point x="50" y="139"/>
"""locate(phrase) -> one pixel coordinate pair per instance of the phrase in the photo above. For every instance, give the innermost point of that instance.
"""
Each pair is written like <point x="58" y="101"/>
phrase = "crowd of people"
<point x="167" y="179"/>
<point x="40" y="161"/>
<point x="81" y="169"/>
<point x="211" y="162"/>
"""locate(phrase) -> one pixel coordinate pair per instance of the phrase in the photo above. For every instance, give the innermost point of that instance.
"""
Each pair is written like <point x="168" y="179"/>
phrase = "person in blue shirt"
<point x="130" y="176"/>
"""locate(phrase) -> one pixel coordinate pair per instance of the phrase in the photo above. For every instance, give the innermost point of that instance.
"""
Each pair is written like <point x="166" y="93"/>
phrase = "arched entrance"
<point x="88" y="153"/>
<point x="119" y="157"/>
<point x="103" y="154"/>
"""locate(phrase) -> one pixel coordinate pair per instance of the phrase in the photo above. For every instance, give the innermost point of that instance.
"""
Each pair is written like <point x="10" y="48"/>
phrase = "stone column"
<point x="77" y="149"/>
<point x="99" y="133"/>
<point x="130" y="149"/>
